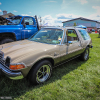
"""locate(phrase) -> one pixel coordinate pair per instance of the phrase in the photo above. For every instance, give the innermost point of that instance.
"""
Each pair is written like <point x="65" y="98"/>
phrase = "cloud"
<point x="82" y="1"/>
<point x="59" y="19"/>
<point x="48" y="19"/>
<point x="0" y="10"/>
<point x="66" y="16"/>
<point x="67" y="3"/>
<point x="14" y="11"/>
<point x="0" y="3"/>
<point x="29" y="12"/>
<point x="96" y="15"/>
<point x="97" y="8"/>
<point x="25" y="15"/>
<point x="63" y="6"/>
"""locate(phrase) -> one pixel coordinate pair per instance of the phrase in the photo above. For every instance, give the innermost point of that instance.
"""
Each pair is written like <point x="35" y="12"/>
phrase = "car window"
<point x="71" y="35"/>
<point x="30" y="20"/>
<point x="84" y="34"/>
<point x="50" y="36"/>
<point x="14" y="20"/>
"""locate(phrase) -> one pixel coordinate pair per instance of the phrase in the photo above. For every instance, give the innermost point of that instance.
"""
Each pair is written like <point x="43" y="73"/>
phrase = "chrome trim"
<point x="62" y="37"/>
<point x="11" y="74"/>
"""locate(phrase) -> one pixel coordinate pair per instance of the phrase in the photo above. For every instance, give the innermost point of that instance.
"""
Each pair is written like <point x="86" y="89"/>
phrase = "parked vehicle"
<point x="93" y="30"/>
<point x="18" y="28"/>
<point x="89" y="31"/>
<point x="35" y="57"/>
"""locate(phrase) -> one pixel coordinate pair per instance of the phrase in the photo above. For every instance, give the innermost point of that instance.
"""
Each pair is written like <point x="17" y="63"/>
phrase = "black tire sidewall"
<point x="6" y="41"/>
<point x="33" y="72"/>
<point x="83" y="55"/>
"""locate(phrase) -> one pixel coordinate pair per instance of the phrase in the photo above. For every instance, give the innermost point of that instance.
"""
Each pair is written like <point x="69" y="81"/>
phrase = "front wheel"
<point x="85" y="54"/>
<point x="41" y="72"/>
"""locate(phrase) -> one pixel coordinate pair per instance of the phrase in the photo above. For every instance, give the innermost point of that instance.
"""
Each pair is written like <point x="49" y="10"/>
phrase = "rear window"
<point x="84" y="34"/>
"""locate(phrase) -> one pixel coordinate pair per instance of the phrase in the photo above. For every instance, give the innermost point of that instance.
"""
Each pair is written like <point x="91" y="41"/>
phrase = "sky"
<point x="53" y="12"/>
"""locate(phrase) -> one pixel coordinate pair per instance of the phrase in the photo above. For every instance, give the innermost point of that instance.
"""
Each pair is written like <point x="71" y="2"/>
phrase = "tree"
<point x="74" y="24"/>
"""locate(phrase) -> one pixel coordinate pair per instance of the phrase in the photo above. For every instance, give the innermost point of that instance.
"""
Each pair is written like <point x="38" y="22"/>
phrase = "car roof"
<point x="62" y="28"/>
<point x="52" y="28"/>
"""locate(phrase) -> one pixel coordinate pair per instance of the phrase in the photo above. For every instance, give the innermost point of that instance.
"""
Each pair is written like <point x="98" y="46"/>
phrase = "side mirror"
<point x="24" y="25"/>
<point x="27" y="23"/>
<point x="70" y="42"/>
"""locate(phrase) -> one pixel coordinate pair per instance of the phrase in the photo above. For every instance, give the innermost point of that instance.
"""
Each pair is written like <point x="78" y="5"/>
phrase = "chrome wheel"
<point x="86" y="54"/>
<point x="43" y="73"/>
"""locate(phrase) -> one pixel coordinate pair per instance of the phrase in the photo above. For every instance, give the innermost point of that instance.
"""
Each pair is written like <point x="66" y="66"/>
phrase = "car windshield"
<point x="14" y="20"/>
<point x="49" y="36"/>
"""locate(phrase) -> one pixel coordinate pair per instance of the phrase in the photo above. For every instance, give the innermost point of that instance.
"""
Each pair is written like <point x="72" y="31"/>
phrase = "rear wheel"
<point x="85" y="54"/>
<point x="41" y="72"/>
<point x="6" y="41"/>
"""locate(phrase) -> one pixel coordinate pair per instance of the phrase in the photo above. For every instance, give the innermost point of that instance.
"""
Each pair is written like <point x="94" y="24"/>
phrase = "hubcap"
<point x="86" y="55"/>
<point x="43" y="73"/>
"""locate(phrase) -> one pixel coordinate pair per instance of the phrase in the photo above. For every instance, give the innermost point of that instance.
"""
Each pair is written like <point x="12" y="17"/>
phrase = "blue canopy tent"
<point x="81" y="26"/>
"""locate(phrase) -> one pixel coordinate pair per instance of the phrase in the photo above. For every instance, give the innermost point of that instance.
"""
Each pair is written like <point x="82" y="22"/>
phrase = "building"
<point x="82" y="21"/>
<point x="7" y="15"/>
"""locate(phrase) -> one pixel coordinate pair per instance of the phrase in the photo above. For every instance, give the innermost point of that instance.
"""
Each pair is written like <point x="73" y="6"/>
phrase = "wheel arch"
<point x="46" y="58"/>
<point x="7" y="34"/>
<point x="42" y="59"/>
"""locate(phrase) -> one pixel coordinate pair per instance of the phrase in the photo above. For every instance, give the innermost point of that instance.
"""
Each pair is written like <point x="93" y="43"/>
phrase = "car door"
<point x="71" y="45"/>
<point x="29" y="29"/>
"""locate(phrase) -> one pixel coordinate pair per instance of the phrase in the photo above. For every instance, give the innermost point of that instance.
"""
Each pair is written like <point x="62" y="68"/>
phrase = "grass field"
<point x="75" y="80"/>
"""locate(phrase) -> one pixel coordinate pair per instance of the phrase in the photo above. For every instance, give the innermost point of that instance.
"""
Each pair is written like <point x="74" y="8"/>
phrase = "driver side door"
<point x="29" y="28"/>
<point x="71" y="45"/>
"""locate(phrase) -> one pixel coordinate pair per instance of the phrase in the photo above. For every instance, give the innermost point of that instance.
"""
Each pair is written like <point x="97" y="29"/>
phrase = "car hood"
<point x="24" y="49"/>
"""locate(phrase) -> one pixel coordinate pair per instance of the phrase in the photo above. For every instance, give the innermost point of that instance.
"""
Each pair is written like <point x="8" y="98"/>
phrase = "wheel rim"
<point x="43" y="73"/>
<point x="86" y="54"/>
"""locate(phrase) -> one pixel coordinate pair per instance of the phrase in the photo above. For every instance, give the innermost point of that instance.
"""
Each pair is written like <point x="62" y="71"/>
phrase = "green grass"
<point x="72" y="34"/>
<point x="75" y="80"/>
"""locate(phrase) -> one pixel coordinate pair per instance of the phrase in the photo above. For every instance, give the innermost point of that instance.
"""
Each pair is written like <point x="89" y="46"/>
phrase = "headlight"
<point x="17" y="66"/>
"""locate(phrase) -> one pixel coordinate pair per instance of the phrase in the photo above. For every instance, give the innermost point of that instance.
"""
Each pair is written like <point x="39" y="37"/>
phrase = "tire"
<point x="6" y="41"/>
<point x="40" y="73"/>
<point x="85" y="55"/>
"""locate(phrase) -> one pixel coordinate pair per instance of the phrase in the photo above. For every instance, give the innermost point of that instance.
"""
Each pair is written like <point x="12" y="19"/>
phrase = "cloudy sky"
<point x="53" y="11"/>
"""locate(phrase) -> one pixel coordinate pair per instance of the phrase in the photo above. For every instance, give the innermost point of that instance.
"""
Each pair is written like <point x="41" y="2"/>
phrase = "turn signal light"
<point x="16" y="67"/>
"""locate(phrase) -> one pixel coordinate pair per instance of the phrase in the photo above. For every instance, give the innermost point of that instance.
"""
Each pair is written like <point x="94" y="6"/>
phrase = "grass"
<point x="75" y="80"/>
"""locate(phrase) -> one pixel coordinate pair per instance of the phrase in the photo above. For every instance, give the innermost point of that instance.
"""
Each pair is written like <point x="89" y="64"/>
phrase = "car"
<point x="93" y="30"/>
<point x="89" y="31"/>
<point x="36" y="57"/>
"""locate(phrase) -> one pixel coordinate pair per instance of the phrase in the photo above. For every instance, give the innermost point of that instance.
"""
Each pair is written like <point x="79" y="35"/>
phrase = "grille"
<point x="1" y="56"/>
<point x="2" y="61"/>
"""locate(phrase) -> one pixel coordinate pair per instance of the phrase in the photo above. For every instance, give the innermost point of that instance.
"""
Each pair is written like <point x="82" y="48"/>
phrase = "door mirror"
<point x="24" y="25"/>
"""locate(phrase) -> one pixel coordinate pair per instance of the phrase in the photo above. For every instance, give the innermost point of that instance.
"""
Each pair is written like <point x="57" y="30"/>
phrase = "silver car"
<point x="35" y="57"/>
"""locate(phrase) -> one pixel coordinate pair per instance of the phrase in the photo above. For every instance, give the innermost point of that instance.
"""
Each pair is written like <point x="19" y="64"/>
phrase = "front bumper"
<point x="11" y="74"/>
